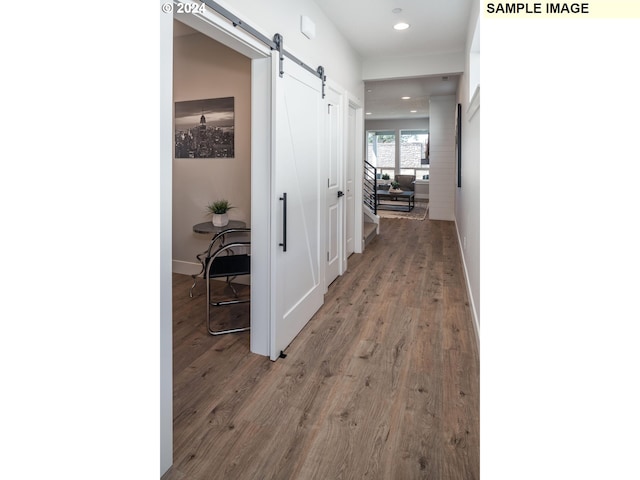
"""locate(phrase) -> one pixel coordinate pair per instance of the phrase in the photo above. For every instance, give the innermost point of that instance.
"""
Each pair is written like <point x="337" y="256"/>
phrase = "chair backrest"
<point x="225" y="262"/>
<point x="406" y="181"/>
<point x="218" y="239"/>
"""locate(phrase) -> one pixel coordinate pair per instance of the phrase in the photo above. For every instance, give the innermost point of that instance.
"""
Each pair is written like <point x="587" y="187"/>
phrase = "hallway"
<point x="382" y="383"/>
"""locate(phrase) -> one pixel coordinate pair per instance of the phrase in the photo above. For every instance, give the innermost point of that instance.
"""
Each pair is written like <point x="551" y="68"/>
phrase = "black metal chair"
<point x="220" y="260"/>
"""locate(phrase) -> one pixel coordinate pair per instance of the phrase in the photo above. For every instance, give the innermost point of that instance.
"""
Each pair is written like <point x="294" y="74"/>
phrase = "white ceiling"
<point x="383" y="99"/>
<point x="437" y="26"/>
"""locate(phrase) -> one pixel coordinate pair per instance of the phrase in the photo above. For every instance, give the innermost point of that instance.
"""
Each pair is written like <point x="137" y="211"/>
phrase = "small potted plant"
<point x="395" y="187"/>
<point x="218" y="210"/>
<point x="384" y="181"/>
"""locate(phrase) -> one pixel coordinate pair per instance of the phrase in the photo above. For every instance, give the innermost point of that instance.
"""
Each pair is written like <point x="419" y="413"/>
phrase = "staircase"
<point x="369" y="231"/>
<point x="369" y="187"/>
<point x="371" y="220"/>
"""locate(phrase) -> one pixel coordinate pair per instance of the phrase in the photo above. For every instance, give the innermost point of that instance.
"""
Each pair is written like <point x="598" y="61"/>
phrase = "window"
<point x="381" y="151"/>
<point x="410" y="157"/>
<point x="414" y="153"/>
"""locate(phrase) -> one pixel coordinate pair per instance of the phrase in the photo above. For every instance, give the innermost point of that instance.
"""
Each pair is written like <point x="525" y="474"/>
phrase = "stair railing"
<point x="370" y="187"/>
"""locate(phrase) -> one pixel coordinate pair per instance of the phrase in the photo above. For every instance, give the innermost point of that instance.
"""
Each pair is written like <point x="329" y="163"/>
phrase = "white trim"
<point x="358" y="172"/>
<point x="474" y="313"/>
<point x="221" y="30"/>
<point x="261" y="205"/>
<point x="273" y="227"/>
<point x="344" y="131"/>
<point x="166" y="226"/>
<point x="474" y="104"/>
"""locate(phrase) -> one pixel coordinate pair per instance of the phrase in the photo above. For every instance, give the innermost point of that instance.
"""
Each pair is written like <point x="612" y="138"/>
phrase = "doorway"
<point x="206" y="73"/>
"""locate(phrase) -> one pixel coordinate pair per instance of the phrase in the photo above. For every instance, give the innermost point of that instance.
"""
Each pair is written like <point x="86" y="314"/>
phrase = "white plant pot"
<point x="219" y="219"/>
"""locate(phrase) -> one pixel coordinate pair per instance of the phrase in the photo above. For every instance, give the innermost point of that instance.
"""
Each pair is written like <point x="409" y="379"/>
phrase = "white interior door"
<point x="297" y="284"/>
<point x="333" y="162"/>
<point x="350" y="203"/>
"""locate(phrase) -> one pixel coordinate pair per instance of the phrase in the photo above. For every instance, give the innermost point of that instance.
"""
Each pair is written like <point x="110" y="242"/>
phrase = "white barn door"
<point x="297" y="219"/>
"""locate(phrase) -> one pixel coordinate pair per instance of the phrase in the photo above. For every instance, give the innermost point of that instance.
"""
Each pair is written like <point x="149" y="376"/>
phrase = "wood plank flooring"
<point x="383" y="383"/>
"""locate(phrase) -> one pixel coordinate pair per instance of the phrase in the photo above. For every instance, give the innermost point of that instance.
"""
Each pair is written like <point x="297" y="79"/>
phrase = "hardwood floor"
<point x="383" y="382"/>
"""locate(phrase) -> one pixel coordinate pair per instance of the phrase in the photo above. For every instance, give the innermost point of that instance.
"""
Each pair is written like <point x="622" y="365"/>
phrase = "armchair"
<point x="406" y="182"/>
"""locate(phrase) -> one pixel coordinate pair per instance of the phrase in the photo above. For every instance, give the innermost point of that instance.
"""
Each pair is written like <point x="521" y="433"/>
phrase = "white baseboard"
<point x="186" y="268"/>
<point x="474" y="313"/>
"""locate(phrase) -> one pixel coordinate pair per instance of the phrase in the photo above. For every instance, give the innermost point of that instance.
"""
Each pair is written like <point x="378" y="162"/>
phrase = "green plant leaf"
<point x="219" y="206"/>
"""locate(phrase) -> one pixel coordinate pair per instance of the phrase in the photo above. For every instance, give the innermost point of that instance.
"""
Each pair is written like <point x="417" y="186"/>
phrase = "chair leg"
<point x="230" y="330"/>
<point x="224" y="332"/>
<point x="219" y="304"/>
<point x="195" y="279"/>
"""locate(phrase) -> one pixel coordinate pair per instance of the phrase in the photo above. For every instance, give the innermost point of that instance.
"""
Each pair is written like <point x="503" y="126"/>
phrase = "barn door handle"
<point x="284" y="222"/>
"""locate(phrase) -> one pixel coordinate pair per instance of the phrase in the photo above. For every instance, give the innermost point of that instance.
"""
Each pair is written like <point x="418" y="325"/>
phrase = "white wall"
<point x="203" y="68"/>
<point x="468" y="196"/>
<point x="425" y="65"/>
<point x="397" y="124"/>
<point x="329" y="48"/>
<point x="442" y="173"/>
<point x="166" y="286"/>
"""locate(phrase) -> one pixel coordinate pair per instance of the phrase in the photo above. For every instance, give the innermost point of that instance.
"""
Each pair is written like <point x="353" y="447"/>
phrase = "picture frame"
<point x="205" y="128"/>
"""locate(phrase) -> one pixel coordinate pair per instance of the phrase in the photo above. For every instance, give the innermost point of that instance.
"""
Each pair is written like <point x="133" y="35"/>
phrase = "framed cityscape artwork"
<point x="205" y="128"/>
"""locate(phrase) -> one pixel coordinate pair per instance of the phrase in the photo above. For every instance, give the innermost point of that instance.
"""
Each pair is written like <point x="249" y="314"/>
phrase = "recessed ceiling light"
<point x="368" y="113"/>
<point x="414" y="111"/>
<point x="406" y="98"/>
<point x="401" y="26"/>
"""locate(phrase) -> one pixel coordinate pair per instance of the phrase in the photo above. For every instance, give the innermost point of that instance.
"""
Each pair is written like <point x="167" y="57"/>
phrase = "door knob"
<point x="340" y="193"/>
